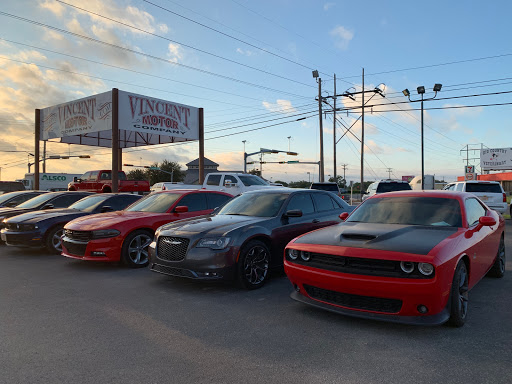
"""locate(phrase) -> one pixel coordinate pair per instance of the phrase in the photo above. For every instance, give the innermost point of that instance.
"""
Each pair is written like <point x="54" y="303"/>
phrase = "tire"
<point x="106" y="190"/>
<point x="253" y="265"/>
<point x="134" y="252"/>
<point x="498" y="268"/>
<point x="459" y="296"/>
<point x="53" y="241"/>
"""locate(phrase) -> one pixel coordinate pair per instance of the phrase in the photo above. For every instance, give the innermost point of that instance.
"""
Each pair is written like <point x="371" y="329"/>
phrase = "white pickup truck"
<point x="229" y="182"/>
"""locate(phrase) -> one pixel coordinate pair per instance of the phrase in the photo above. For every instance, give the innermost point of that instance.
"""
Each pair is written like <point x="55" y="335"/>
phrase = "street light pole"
<point x="321" y="162"/>
<point x="422" y="149"/>
<point x="334" y="129"/>
<point x="245" y="157"/>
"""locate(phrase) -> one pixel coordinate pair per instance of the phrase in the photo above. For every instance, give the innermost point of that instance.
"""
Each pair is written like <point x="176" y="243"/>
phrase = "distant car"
<point x="45" y="228"/>
<point x="327" y="186"/>
<point x="490" y="192"/>
<point x="383" y="186"/>
<point x="407" y="257"/>
<point x="48" y="200"/>
<point x="245" y="238"/>
<point x="11" y="186"/>
<point x="12" y="199"/>
<point x="125" y="235"/>
<point x="164" y="186"/>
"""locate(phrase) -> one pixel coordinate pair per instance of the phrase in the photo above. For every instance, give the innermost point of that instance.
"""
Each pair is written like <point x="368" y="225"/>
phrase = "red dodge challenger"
<point x="406" y="257"/>
<point x="125" y="235"/>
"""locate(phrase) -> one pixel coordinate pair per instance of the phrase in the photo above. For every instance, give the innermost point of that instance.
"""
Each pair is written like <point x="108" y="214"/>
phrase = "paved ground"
<point x="63" y="321"/>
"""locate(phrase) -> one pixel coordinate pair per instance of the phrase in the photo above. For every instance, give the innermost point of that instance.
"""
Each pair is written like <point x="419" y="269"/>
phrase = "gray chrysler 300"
<point x="244" y="238"/>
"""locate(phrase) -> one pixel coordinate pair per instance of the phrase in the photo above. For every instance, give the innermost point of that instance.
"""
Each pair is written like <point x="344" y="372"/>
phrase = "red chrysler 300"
<point x="125" y="235"/>
<point x="408" y="257"/>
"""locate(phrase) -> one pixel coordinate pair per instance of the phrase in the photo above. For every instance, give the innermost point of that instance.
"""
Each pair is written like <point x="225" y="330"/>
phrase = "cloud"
<point x="281" y="106"/>
<point x="245" y="53"/>
<point x="175" y="52"/>
<point x="54" y="7"/>
<point x="327" y="6"/>
<point x="341" y="36"/>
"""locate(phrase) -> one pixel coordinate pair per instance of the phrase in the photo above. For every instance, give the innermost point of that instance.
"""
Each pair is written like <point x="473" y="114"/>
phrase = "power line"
<point x="186" y="45"/>
<point x="140" y="53"/>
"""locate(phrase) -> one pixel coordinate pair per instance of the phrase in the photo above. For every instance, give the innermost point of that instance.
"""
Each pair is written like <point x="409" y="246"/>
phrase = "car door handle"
<point x="315" y="221"/>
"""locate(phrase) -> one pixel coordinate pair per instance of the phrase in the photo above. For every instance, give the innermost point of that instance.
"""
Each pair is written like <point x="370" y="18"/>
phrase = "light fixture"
<point x="421" y="89"/>
<point x="406" y="92"/>
<point x="315" y="73"/>
<point x="437" y="87"/>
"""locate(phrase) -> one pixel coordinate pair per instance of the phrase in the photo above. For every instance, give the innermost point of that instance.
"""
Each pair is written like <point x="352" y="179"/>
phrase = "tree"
<point x="342" y="183"/>
<point x="137" y="174"/>
<point x="256" y="172"/>
<point x="157" y="176"/>
<point x="299" y="184"/>
<point x="285" y="184"/>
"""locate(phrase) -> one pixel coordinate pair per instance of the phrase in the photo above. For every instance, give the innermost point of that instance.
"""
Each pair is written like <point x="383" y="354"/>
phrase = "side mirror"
<point x="47" y="206"/>
<point x="75" y="179"/>
<point x="486" y="221"/>
<point x="343" y="216"/>
<point x="293" y="213"/>
<point x="181" y="209"/>
<point x="106" y="208"/>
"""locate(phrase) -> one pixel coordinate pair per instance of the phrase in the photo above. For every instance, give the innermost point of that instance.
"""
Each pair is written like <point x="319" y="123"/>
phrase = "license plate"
<point x="484" y="198"/>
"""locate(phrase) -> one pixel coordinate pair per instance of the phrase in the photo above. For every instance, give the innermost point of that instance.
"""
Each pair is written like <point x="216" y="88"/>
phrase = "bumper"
<point x="373" y="297"/>
<point x="22" y="239"/>
<point x="501" y="208"/>
<point x="198" y="263"/>
<point x="108" y="250"/>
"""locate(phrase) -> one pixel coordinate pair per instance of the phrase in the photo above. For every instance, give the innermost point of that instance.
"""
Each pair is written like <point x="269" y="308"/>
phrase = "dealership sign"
<point x="149" y="115"/>
<point x="147" y="118"/>
<point x="496" y="159"/>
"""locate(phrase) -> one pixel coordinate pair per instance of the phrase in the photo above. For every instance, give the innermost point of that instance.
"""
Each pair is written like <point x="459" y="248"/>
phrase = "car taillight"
<point x="504" y="197"/>
<point x="163" y="188"/>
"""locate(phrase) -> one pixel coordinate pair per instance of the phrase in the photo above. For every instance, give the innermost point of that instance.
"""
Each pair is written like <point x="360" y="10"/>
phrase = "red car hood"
<point x="111" y="220"/>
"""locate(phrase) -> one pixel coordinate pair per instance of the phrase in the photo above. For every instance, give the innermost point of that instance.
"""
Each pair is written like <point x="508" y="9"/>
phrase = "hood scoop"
<point x="357" y="236"/>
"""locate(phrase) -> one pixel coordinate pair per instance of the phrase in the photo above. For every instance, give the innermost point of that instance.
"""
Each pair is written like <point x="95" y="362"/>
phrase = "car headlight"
<point x="105" y="233"/>
<point x="425" y="268"/>
<point x="407" y="266"/>
<point x="214" y="243"/>
<point x="306" y="256"/>
<point x="293" y="254"/>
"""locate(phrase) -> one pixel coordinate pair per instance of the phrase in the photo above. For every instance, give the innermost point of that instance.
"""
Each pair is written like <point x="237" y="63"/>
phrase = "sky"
<point x="249" y="65"/>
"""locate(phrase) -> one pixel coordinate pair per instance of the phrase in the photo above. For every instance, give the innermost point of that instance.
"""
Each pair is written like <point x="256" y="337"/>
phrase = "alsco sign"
<point x="53" y="178"/>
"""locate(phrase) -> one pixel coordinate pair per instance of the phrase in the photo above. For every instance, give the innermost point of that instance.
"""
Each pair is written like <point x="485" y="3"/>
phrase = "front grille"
<point x="75" y="249"/>
<point x="359" y="266"/>
<point x="172" y="248"/>
<point x="348" y="300"/>
<point x="172" y="271"/>
<point x="77" y="235"/>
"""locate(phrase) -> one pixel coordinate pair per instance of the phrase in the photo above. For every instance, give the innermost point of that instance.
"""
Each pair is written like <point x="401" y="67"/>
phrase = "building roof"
<point x="206" y="162"/>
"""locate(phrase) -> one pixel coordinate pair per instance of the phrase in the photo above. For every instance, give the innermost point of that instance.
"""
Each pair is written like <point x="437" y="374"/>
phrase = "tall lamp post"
<point x="421" y="91"/>
<point x="319" y="81"/>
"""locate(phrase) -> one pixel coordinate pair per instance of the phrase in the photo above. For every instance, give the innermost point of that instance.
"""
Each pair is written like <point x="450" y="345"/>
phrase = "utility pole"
<point x="334" y="129"/>
<point x="344" y="166"/>
<point x="321" y="173"/>
<point x="44" y="156"/>
<point x="389" y="170"/>
<point x="245" y="157"/>
<point x="362" y="136"/>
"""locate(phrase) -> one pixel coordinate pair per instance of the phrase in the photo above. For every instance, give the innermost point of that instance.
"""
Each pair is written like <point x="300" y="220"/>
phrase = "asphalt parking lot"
<point x="66" y="321"/>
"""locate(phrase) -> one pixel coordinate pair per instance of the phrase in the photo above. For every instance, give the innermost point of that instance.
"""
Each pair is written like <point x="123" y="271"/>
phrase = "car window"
<point x="303" y="202"/>
<point x="37" y="201"/>
<point x="215" y="200"/>
<point x="336" y="204"/>
<point x="213" y="179"/>
<point x="93" y="176"/>
<point x="155" y="202"/>
<point x="120" y="202"/>
<point x="255" y="204"/>
<point x="85" y="176"/>
<point x="459" y="187"/>
<point x="323" y="202"/>
<point x="474" y="210"/>
<point x="194" y="202"/>
<point x="22" y="198"/>
<point x="249" y="180"/>
<point x="65" y="201"/>
<point x="325" y="187"/>
<point x="431" y="211"/>
<point x="88" y="204"/>
<point x="392" y="187"/>
<point x="483" y="187"/>
<point x="230" y="178"/>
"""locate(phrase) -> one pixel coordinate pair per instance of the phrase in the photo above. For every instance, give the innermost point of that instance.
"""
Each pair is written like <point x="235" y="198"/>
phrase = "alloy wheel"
<point x="463" y="291"/>
<point x="256" y="265"/>
<point x="138" y="249"/>
<point x="57" y="241"/>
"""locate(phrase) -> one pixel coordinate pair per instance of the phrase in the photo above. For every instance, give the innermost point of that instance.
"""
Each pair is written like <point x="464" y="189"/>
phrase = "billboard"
<point x="496" y="159"/>
<point x="77" y="117"/>
<point x="148" y="115"/>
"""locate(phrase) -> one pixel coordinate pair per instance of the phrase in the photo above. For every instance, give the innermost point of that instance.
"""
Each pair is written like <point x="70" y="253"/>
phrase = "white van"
<point x="490" y="192"/>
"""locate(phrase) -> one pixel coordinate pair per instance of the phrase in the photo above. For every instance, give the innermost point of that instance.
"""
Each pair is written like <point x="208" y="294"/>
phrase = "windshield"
<point x="37" y="201"/>
<point x="483" y="187"/>
<point x="325" y="187"/>
<point x="157" y="203"/>
<point x="249" y="180"/>
<point x="432" y="211"/>
<point x="392" y="187"/>
<point x="90" y="203"/>
<point x="7" y="196"/>
<point x="251" y="204"/>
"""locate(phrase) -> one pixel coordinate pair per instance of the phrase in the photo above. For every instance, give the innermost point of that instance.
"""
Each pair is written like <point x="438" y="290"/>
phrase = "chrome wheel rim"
<point x="57" y="241"/>
<point x="463" y="291"/>
<point x="256" y="265"/>
<point x="501" y="256"/>
<point x="138" y="249"/>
